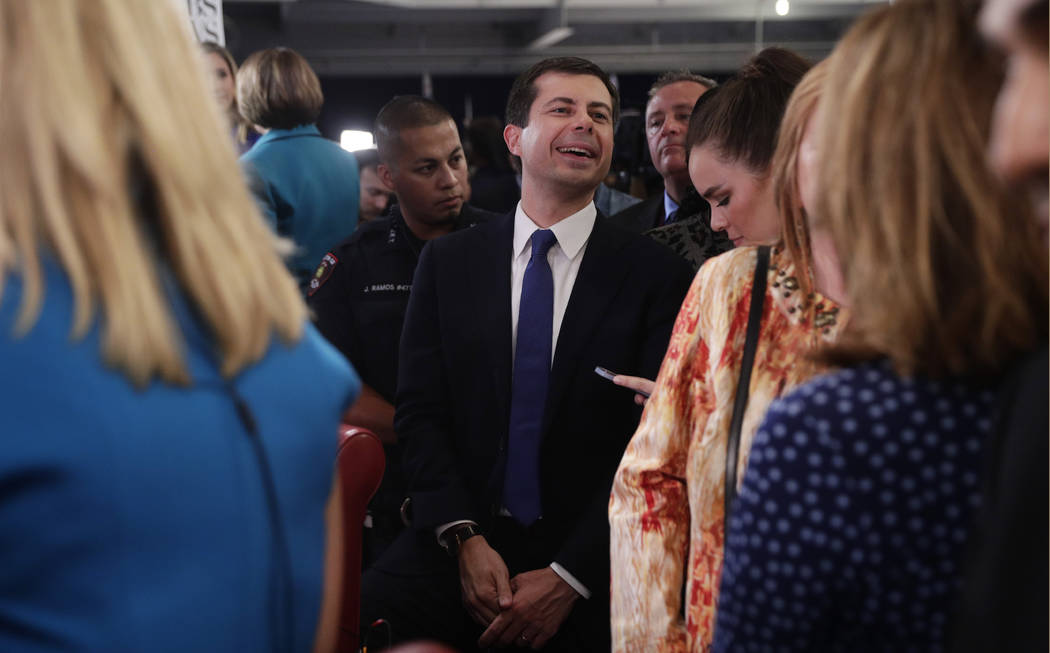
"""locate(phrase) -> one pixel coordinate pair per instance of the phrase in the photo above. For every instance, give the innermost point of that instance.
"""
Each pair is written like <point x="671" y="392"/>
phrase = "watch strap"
<point x="457" y="535"/>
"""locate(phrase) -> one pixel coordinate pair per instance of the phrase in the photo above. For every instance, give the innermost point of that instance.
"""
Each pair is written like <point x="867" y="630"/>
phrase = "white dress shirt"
<point x="564" y="258"/>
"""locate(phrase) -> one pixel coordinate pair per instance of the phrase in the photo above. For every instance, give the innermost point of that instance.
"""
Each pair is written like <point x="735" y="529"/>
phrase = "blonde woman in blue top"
<point x="168" y="415"/>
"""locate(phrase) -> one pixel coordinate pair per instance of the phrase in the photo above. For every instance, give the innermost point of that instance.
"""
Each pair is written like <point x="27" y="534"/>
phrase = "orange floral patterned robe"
<point x="667" y="498"/>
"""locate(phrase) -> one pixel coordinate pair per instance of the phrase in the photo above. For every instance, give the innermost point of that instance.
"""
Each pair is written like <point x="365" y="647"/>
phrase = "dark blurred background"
<point x="468" y="51"/>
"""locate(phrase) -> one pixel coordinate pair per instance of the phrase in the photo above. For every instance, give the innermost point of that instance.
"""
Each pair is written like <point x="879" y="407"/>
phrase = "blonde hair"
<point x="234" y="116"/>
<point x="97" y="100"/>
<point x="945" y="274"/>
<point x="794" y="226"/>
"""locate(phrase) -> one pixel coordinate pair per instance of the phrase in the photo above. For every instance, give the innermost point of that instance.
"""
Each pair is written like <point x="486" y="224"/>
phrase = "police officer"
<point x="360" y="290"/>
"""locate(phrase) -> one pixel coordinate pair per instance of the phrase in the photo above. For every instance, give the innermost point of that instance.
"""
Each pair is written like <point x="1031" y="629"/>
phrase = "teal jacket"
<point x="308" y="190"/>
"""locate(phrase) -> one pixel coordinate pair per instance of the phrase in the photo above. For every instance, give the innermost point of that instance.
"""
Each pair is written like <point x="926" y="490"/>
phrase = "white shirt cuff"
<point x="562" y="572"/>
<point x="439" y="532"/>
<point x="580" y="588"/>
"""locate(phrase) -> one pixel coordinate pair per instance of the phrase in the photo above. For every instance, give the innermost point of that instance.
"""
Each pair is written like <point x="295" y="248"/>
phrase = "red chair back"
<point x="361" y="462"/>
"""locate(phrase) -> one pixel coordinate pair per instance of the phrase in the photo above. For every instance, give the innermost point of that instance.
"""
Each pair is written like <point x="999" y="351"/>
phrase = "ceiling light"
<point x="352" y="140"/>
<point x="782" y="7"/>
<point x="553" y="27"/>
<point x="555" y="35"/>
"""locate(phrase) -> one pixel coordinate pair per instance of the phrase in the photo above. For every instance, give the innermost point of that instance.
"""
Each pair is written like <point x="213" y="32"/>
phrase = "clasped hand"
<point x="526" y="610"/>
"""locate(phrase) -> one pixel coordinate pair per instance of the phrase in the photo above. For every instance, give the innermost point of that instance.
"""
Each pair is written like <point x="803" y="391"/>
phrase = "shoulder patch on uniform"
<point x="324" y="270"/>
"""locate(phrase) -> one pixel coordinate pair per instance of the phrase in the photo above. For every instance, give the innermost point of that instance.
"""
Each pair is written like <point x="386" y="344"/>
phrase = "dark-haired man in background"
<point x="360" y="291"/>
<point x="375" y="195"/>
<point x="671" y="101"/>
<point x="511" y="439"/>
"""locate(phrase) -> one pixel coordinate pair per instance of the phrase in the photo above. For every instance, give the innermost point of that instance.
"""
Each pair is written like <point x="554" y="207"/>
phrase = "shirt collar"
<point x="670" y="206"/>
<point x="572" y="232"/>
<point x="301" y="130"/>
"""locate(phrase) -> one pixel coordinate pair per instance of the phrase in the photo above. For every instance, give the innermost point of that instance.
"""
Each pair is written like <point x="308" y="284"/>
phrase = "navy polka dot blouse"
<point x="850" y="527"/>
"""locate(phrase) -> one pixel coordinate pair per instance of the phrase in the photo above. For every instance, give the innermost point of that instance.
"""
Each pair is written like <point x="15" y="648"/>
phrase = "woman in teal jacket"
<point x="306" y="185"/>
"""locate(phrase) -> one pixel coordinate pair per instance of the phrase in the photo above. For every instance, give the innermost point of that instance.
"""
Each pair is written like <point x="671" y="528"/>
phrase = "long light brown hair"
<point x="794" y="227"/>
<point x="97" y="100"/>
<point x="945" y="274"/>
<point x="237" y="121"/>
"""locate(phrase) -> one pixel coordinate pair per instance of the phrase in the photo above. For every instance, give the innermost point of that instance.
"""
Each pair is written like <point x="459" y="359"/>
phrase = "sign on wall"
<point x="206" y="19"/>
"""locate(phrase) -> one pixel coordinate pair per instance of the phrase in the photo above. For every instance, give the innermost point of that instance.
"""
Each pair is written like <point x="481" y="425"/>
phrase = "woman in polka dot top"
<point x="858" y="499"/>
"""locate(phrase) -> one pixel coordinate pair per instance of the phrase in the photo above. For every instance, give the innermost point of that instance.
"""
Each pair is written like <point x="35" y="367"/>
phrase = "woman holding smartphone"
<point x="668" y="497"/>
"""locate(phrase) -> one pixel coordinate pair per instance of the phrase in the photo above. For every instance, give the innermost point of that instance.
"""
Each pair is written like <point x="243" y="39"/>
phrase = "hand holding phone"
<point x="643" y="387"/>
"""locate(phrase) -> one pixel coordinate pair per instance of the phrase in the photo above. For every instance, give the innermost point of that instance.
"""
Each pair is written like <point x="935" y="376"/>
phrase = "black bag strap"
<point x="743" y="386"/>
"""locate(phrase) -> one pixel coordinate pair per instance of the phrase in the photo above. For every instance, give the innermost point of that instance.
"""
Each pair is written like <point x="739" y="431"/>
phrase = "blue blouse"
<point x="135" y="519"/>
<point x="854" y="513"/>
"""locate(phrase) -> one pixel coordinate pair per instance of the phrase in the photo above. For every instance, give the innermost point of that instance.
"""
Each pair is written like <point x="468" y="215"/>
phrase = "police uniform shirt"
<point x="359" y="294"/>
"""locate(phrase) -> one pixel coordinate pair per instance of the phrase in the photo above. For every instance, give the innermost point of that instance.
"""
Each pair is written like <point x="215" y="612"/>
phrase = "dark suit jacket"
<point x="1003" y="602"/>
<point x="642" y="216"/>
<point x="453" y="402"/>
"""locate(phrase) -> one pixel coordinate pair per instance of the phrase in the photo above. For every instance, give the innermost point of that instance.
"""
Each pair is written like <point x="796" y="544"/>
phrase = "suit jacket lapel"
<point x="650" y="210"/>
<point x="597" y="284"/>
<point x="655" y="215"/>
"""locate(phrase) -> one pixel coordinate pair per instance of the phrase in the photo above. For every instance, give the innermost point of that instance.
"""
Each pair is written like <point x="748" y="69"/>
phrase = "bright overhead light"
<point x="353" y="140"/>
<point x="782" y="7"/>
<point x="555" y="35"/>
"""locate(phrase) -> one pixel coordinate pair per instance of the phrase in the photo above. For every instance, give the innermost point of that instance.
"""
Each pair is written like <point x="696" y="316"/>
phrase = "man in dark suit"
<point x="671" y="101"/>
<point x="510" y="438"/>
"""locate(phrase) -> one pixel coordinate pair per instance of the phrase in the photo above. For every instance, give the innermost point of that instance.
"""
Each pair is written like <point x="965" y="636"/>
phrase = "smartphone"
<point x="609" y="374"/>
<point x="604" y="373"/>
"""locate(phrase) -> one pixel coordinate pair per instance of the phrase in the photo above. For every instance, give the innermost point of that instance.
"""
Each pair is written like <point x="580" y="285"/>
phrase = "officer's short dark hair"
<point x="675" y="76"/>
<point x="523" y="92"/>
<point x="401" y="113"/>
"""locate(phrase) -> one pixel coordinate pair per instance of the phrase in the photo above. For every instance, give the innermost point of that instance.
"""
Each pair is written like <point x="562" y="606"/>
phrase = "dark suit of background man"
<point x="359" y="294"/>
<point x="468" y="367"/>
